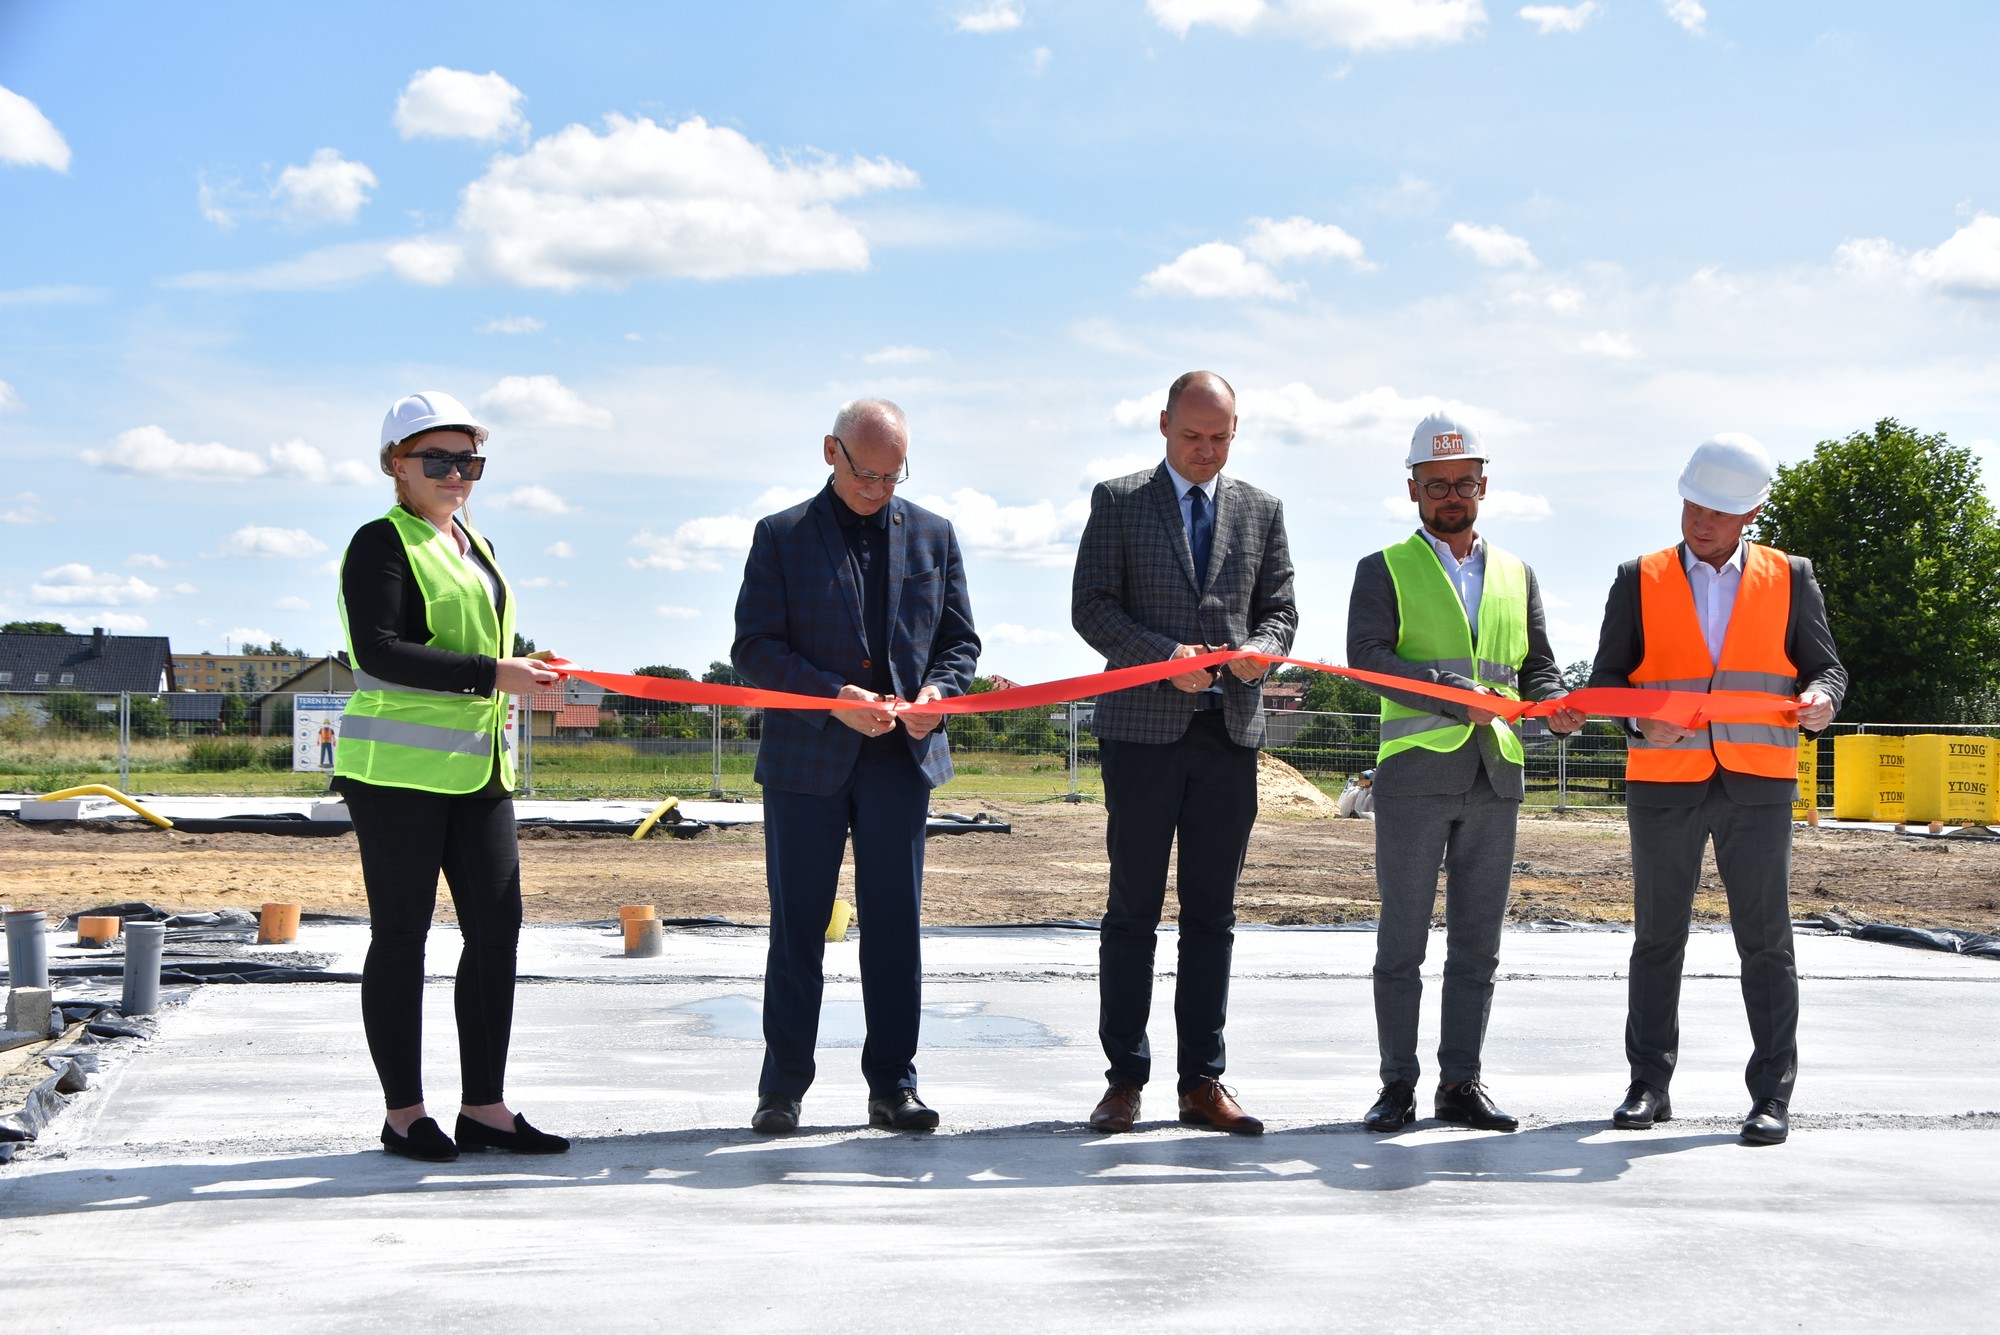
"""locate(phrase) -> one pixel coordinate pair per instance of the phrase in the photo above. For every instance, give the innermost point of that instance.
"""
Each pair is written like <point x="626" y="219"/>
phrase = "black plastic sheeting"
<point x="210" y="971"/>
<point x="282" y="822"/>
<point x="951" y="822"/>
<point x="683" y="829"/>
<point x="1949" y="939"/>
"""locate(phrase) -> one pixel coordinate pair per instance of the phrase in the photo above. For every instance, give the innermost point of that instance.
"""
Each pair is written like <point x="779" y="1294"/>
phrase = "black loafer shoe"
<point x="1395" y="1108"/>
<point x="523" y="1139"/>
<point x="902" y="1110"/>
<point x="1467" y="1104"/>
<point x="1768" y="1123"/>
<point x="776" y="1115"/>
<point x="426" y="1141"/>
<point x="1642" y="1107"/>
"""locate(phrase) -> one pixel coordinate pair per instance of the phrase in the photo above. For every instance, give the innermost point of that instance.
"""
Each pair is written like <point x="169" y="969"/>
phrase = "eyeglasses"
<point x="1466" y="487"/>
<point x="863" y="475"/>
<point x="438" y="464"/>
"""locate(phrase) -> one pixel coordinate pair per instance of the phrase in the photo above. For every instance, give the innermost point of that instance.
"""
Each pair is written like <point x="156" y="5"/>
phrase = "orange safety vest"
<point x="1754" y="662"/>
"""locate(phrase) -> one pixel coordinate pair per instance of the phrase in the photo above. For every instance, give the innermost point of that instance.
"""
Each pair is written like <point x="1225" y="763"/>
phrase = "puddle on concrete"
<point x="951" y="1025"/>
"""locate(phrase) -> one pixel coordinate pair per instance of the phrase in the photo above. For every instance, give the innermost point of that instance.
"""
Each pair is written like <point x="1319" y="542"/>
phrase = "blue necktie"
<point x="1201" y="532"/>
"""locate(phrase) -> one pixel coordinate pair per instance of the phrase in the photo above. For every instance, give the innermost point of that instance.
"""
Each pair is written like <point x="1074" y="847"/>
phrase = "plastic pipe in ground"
<point x="627" y="912"/>
<point x="100" y="790"/>
<point x="278" y="924"/>
<point x="27" y="948"/>
<point x="643" y="937"/>
<point x="96" y="931"/>
<point x="836" y="926"/>
<point x="143" y="942"/>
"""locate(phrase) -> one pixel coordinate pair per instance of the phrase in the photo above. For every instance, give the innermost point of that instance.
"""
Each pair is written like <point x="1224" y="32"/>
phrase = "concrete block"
<point x="69" y="808"/>
<point x="30" y="1010"/>
<point x="15" y="1038"/>
<point x="332" y="811"/>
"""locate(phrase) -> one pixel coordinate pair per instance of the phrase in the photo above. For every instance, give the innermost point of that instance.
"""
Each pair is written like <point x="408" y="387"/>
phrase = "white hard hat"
<point x="426" y="410"/>
<point x="1729" y="473"/>
<point x="1442" y="436"/>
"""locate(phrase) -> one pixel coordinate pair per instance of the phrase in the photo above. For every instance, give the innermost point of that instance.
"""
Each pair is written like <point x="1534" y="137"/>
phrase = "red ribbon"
<point x="1683" y="708"/>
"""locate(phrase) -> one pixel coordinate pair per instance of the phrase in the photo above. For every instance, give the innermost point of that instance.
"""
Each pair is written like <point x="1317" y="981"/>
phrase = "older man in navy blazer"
<point x="855" y="594"/>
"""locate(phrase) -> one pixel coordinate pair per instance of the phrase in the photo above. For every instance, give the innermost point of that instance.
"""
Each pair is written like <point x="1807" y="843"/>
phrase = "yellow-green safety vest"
<point x="1434" y="633"/>
<point x="436" y="741"/>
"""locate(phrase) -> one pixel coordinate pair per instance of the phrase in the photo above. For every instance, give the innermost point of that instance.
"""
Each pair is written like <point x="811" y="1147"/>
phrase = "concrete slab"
<point x="235" y="1152"/>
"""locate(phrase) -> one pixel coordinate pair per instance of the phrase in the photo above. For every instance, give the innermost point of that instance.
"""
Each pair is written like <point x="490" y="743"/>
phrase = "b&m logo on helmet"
<point x="1447" y="444"/>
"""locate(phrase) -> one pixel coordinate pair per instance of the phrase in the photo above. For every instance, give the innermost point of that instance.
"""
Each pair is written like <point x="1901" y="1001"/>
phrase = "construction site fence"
<point x="622" y="747"/>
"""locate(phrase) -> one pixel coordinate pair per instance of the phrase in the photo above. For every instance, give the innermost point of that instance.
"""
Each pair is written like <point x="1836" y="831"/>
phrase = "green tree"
<point x="723" y="674"/>
<point x="523" y="646"/>
<point x="1327" y="693"/>
<point x="1907" y="550"/>
<point x="33" y="628"/>
<point x="148" y="717"/>
<point x="1577" y="675"/>
<point x="662" y="670"/>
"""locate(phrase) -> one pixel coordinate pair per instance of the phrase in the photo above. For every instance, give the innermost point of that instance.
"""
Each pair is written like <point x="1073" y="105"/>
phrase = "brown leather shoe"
<point x="1118" y="1109"/>
<point x="1211" y="1104"/>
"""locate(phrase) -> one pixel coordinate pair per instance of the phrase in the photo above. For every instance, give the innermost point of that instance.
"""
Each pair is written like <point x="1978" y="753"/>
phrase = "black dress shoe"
<point x="1467" y="1104"/>
<point x="426" y="1141"/>
<point x="1395" y="1108"/>
<point x="776" y="1115"/>
<point x="1642" y="1107"/>
<point x="523" y="1139"/>
<point x="1767" y="1124"/>
<point x="901" y="1110"/>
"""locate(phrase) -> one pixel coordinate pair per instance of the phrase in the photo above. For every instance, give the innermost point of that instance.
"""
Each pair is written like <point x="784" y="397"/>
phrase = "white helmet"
<point x="1730" y="473"/>
<point x="1442" y="436"/>
<point x="426" y="410"/>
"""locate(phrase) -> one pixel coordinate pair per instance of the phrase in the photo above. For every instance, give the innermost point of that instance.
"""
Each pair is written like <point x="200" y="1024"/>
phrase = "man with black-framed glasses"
<point x="1444" y="606"/>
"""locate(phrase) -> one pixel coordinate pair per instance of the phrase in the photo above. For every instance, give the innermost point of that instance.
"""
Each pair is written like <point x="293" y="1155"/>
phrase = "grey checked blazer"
<point x="1134" y="599"/>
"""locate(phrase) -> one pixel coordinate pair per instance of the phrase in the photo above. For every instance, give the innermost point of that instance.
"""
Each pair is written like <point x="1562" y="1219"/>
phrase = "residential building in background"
<point x="94" y="664"/>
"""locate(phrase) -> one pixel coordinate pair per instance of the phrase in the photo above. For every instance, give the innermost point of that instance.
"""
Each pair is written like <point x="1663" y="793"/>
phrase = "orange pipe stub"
<point x="278" y="925"/>
<point x="627" y="912"/>
<point x="643" y="937"/>
<point x="97" y="931"/>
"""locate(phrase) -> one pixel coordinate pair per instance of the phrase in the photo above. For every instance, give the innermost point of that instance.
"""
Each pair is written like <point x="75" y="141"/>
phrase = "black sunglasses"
<point x="438" y="464"/>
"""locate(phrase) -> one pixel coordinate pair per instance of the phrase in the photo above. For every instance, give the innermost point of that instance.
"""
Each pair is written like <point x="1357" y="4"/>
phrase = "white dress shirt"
<point x="1467" y="576"/>
<point x="1714" y="595"/>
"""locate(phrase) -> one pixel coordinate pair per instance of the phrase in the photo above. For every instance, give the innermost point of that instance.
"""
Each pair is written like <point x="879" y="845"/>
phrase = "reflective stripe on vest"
<point x="1433" y="633"/>
<point x="437" y="741"/>
<point x="1753" y="663"/>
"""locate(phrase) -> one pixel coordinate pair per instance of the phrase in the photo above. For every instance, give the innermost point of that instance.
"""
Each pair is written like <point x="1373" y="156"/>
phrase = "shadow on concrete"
<point x="1043" y="1155"/>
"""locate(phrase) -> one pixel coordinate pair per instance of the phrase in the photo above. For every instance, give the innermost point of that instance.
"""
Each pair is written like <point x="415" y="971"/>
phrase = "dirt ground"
<point x="1053" y="865"/>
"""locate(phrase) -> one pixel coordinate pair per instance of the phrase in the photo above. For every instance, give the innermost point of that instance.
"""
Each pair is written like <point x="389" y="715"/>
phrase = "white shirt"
<point x="1714" y="595"/>
<point x="1467" y="576"/>
<point x="1181" y="489"/>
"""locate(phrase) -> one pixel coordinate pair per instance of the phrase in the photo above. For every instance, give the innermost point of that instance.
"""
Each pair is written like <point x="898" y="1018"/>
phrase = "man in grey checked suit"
<point x="1174" y="561"/>
<point x="1446" y="608"/>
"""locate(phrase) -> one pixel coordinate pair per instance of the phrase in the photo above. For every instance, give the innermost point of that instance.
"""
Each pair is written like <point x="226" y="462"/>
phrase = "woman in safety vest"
<point x="427" y="775"/>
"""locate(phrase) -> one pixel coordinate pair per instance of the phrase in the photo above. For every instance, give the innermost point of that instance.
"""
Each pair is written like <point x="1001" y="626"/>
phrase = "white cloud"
<point x="1604" y="343"/>
<point x="291" y="602"/>
<point x="149" y="451"/>
<point x="994" y="16"/>
<point x="1276" y="242"/>
<point x="77" y="585"/>
<point x="642" y="200"/>
<point x="1380" y="418"/>
<point x="218" y="202"/>
<point x="242" y="635"/>
<point x="1412" y="196"/>
<point x="1561" y="18"/>
<point x="185" y="589"/>
<point x="562" y="551"/>
<point x="1039" y="58"/>
<point x="316" y="270"/>
<point x="263" y="540"/>
<point x="442" y="103"/>
<point x="26" y="509"/>
<point x="899" y="354"/>
<point x="513" y="324"/>
<point x="10" y="402"/>
<point x="27" y="137"/>
<point x="120" y="623"/>
<point x="296" y="459"/>
<point x="542" y="400"/>
<point x="146" y="561"/>
<point x="1359" y="25"/>
<point x="51" y="294"/>
<point x="1216" y="269"/>
<point x="1008" y="632"/>
<point x="675" y="613"/>
<point x="1689" y="14"/>
<point x="1039" y="534"/>
<point x="1966" y="263"/>
<point x="544" y="582"/>
<point x="712" y="542"/>
<point x="327" y="189"/>
<point x="1493" y="245"/>
<point x="1118" y="465"/>
<point x="532" y="498"/>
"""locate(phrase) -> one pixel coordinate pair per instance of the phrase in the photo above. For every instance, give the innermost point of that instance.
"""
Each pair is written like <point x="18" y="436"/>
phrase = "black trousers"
<point x="1201" y="790"/>
<point x="407" y="838"/>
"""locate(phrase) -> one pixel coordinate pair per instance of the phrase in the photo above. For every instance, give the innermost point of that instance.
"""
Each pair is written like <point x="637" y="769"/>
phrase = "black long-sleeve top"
<point x="386" y="623"/>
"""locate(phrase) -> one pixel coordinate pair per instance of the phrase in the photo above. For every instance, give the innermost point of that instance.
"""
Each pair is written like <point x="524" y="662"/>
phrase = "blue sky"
<point x="656" y="246"/>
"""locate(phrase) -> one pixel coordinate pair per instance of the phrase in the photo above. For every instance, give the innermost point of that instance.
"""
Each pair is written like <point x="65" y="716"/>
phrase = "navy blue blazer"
<point x="798" y="629"/>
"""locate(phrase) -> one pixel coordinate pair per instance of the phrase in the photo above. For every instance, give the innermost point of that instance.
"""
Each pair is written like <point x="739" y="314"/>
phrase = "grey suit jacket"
<point x="1134" y="598"/>
<point x="1373" y="627"/>
<point x="1621" y="644"/>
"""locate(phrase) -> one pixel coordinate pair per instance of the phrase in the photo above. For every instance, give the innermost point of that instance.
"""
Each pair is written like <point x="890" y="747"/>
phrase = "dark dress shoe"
<point x="1395" y="1108"/>
<point x="426" y="1141"/>
<point x="1210" y="1103"/>
<point x="523" y="1139"/>
<point x="901" y="1110"/>
<point x="1467" y="1104"/>
<point x="1767" y="1124"/>
<point x="1642" y="1107"/>
<point x="776" y="1115"/>
<point x="1118" y="1109"/>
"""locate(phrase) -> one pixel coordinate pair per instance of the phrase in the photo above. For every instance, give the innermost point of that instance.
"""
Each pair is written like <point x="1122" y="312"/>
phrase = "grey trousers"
<point x="1753" y="852"/>
<point x="1471" y="836"/>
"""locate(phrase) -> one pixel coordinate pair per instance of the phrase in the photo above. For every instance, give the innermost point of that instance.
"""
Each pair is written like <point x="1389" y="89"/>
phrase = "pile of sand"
<point x="1283" y="791"/>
